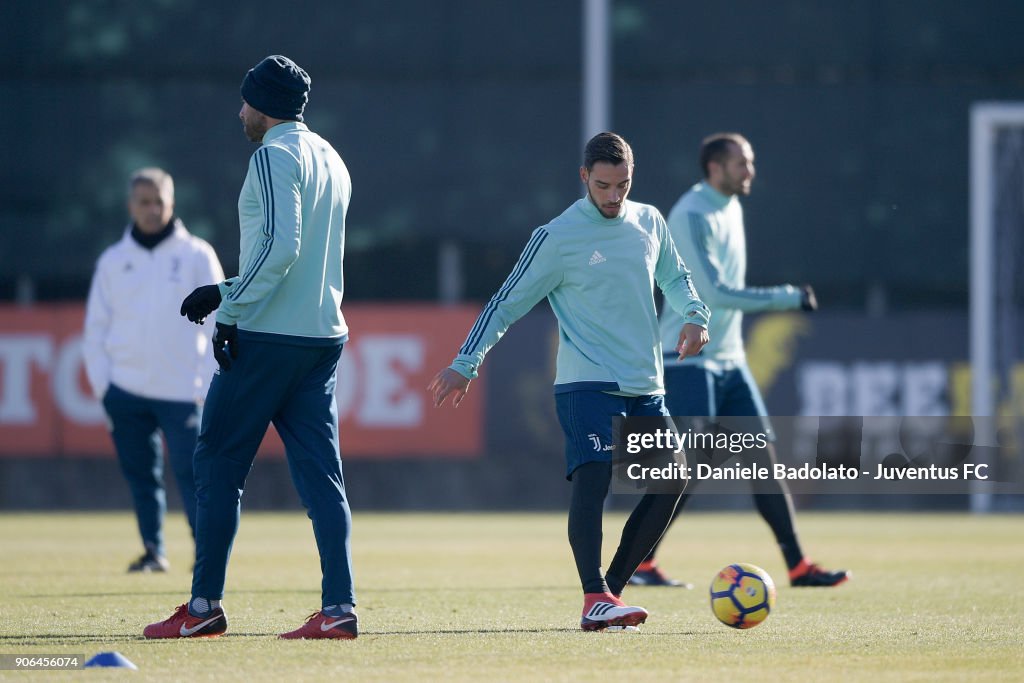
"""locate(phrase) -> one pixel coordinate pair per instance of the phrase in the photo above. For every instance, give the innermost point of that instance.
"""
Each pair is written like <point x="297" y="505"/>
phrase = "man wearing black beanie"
<point x="278" y="88"/>
<point x="278" y="341"/>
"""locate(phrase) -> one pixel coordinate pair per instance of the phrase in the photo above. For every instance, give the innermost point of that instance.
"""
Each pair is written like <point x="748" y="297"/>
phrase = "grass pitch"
<point x="453" y="597"/>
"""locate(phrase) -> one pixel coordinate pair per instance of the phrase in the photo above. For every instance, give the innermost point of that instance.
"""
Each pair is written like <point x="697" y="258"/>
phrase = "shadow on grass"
<point x="116" y="594"/>
<point x="71" y="638"/>
<point x="76" y="638"/>
<point x="465" y="631"/>
<point x="485" y="631"/>
<point x="299" y="591"/>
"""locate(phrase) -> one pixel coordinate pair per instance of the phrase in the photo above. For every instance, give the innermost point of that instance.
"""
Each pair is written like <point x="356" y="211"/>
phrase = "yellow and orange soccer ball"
<point x="742" y="595"/>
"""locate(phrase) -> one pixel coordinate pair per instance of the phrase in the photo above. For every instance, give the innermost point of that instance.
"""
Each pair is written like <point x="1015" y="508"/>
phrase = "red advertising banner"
<point x="47" y="409"/>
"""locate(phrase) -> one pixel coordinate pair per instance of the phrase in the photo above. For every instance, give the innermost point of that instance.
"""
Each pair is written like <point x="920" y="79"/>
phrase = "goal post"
<point x="996" y="227"/>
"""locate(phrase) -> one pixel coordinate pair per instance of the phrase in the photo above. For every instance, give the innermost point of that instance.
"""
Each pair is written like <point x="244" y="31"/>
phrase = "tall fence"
<point x="460" y="123"/>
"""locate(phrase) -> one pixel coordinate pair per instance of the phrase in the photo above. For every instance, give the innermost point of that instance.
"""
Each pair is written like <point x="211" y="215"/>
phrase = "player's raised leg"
<point x="651" y="516"/>
<point x="586" y="418"/>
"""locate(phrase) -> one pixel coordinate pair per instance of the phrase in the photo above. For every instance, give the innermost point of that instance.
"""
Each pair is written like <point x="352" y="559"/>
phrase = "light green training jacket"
<point x="598" y="275"/>
<point x="291" y="214"/>
<point x="708" y="230"/>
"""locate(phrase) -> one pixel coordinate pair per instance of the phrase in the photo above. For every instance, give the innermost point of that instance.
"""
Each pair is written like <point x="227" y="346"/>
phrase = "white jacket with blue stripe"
<point x="133" y="334"/>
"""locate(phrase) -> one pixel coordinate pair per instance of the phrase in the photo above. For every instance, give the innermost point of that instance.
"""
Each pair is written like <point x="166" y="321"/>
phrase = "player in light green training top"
<point x="597" y="264"/>
<point x="707" y="224"/>
<point x="280" y="332"/>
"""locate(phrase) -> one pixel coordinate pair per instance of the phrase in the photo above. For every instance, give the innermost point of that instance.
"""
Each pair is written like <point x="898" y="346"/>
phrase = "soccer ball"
<point x="742" y="595"/>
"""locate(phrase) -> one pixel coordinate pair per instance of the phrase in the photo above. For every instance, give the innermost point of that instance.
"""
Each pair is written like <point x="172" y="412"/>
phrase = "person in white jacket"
<point x="150" y="367"/>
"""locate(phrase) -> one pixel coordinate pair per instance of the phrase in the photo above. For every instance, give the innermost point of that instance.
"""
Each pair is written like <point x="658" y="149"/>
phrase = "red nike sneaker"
<point x="650" y="574"/>
<point x="181" y="624"/>
<point x="809" y="574"/>
<point x="319" y="625"/>
<point x="602" y="610"/>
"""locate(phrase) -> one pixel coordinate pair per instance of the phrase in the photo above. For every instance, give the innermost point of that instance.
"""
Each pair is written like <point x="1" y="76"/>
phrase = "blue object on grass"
<point x="115" y="659"/>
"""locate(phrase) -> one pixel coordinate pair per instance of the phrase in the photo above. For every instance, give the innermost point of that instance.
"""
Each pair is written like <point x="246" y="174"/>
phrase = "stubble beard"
<point x="254" y="130"/>
<point x="600" y="209"/>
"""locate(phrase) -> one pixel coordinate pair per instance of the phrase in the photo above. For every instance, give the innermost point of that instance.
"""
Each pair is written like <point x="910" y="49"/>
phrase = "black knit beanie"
<point x="277" y="87"/>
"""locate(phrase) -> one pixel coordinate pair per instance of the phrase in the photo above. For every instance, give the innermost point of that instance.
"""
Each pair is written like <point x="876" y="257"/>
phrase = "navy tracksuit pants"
<point x="291" y="385"/>
<point x="135" y="426"/>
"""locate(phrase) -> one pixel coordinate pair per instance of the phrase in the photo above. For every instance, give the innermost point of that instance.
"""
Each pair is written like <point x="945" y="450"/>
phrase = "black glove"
<point x="808" y="301"/>
<point x="200" y="303"/>
<point x="225" y="344"/>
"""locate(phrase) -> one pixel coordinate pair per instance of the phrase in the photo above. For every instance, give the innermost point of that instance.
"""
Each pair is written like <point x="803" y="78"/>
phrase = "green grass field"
<point x="452" y="597"/>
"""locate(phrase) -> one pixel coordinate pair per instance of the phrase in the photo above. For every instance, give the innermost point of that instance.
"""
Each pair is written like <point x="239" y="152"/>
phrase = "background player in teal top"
<point x="279" y="337"/>
<point x="707" y="224"/>
<point x="597" y="264"/>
